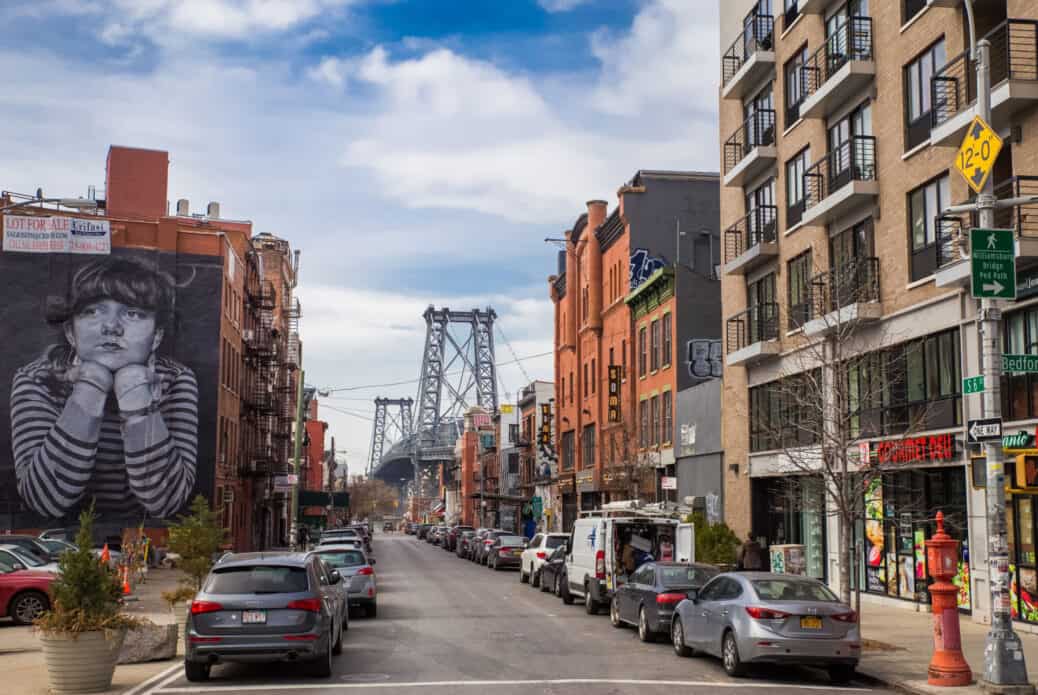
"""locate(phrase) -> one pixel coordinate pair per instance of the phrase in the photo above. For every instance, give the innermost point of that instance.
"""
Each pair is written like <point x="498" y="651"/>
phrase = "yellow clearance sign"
<point x="978" y="153"/>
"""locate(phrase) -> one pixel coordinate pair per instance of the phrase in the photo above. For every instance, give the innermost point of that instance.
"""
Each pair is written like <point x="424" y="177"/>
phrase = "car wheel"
<point x="644" y="633"/>
<point x="28" y="606"/>
<point x="558" y="587"/>
<point x="733" y="665"/>
<point x="590" y="605"/>
<point x="567" y="597"/>
<point x="614" y="613"/>
<point x="677" y="637"/>
<point x="321" y="667"/>
<point x="373" y="610"/>
<point x="337" y="647"/>
<point x="523" y="576"/>
<point x="196" y="672"/>
<point x="841" y="674"/>
<point x="544" y="584"/>
<point x="535" y="577"/>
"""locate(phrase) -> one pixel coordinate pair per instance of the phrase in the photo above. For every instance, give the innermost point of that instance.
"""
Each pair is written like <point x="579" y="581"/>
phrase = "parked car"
<point x="552" y="569"/>
<point x="758" y="617"/>
<point x="341" y="534"/>
<point x="387" y="527"/>
<point x="56" y="546"/>
<point x="476" y="544"/>
<point x="357" y="572"/>
<point x="536" y="554"/>
<point x="648" y="598"/>
<point x="505" y="551"/>
<point x="30" y="544"/>
<point x="262" y="607"/>
<point x="422" y="531"/>
<point x="454" y="534"/>
<point x="24" y="593"/>
<point x="29" y="560"/>
<point x="411" y="528"/>
<point x="462" y="544"/>
<point x="364" y="531"/>
<point x="336" y="540"/>
<point x="483" y="549"/>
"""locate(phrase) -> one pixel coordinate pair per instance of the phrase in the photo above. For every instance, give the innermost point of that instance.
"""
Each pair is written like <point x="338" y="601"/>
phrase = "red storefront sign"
<point x="927" y="448"/>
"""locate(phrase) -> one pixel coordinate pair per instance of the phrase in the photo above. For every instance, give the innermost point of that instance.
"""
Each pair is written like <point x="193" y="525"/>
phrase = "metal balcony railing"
<point x="1014" y="55"/>
<point x="1022" y="218"/>
<point x="854" y="282"/>
<point x="755" y="325"/>
<point x="757" y="227"/>
<point x="852" y="40"/>
<point x="852" y="160"/>
<point x="758" y="35"/>
<point x="756" y="131"/>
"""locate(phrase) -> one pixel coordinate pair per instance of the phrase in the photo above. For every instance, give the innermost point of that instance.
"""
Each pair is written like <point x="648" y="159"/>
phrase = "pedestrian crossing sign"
<point x="977" y="154"/>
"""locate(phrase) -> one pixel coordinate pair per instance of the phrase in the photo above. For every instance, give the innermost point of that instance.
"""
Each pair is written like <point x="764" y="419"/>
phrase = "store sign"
<point x="927" y="448"/>
<point x="55" y="234"/>
<point x="1018" y="441"/>
<point x="614" y="393"/>
<point x="544" y="435"/>
<point x="668" y="483"/>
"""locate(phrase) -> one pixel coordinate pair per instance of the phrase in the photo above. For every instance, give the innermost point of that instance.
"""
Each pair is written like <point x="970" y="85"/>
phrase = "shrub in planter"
<point x="84" y="629"/>
<point x="196" y="538"/>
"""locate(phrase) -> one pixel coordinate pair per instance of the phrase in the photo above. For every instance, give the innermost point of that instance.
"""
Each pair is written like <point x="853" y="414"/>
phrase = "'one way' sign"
<point x="984" y="430"/>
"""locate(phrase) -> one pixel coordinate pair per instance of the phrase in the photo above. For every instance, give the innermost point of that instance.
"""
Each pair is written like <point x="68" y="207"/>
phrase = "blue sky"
<point x="416" y="151"/>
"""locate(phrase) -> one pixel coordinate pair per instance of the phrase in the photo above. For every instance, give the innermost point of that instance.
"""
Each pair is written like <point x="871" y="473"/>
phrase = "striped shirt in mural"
<point x="144" y="463"/>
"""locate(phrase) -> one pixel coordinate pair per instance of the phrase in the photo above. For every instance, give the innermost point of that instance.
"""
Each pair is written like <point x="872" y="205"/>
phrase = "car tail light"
<point x="205" y="607"/>
<point x="488" y="542"/>
<point x="848" y="617"/>
<point x="301" y="638"/>
<point x="505" y="551"/>
<point x="758" y="613"/>
<point x="366" y="571"/>
<point x="600" y="564"/>
<point x="204" y="640"/>
<point x="541" y="555"/>
<point x="669" y="599"/>
<point x="306" y="604"/>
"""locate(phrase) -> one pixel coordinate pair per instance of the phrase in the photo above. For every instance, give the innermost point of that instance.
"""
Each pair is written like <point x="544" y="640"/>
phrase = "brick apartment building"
<point x="839" y="125"/>
<point x="627" y="276"/>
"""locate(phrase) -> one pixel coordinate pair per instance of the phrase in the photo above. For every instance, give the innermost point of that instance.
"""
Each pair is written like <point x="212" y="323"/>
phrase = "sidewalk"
<point x="899" y="644"/>
<point x="21" y="659"/>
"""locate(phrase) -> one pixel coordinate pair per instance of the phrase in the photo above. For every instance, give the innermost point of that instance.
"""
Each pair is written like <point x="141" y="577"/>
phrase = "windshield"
<point x="25" y="557"/>
<point x="257" y="579"/>
<point x="792" y="590"/>
<point x="343" y="558"/>
<point x="686" y="576"/>
<point x="552" y="542"/>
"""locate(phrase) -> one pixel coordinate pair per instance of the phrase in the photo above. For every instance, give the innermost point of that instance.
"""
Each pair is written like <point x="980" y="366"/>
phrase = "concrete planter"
<point x="81" y="663"/>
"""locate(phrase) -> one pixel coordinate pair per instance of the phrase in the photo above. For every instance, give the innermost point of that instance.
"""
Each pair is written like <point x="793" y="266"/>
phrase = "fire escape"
<point x="259" y="336"/>
<point x="288" y="375"/>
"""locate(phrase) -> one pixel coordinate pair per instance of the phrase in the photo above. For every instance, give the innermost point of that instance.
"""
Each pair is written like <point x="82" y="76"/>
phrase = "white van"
<point x="595" y="561"/>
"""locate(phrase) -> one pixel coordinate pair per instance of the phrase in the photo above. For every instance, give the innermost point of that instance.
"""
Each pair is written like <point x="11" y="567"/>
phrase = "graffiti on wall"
<point x="107" y="389"/>
<point x="704" y="358"/>
<point x="643" y="266"/>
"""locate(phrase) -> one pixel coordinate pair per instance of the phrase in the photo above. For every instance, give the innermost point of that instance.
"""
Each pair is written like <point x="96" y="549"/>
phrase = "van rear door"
<point x="685" y="543"/>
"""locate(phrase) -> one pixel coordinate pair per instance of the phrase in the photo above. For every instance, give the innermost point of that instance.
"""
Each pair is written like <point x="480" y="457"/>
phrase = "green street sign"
<point x="1020" y="363"/>
<point x="973" y="384"/>
<point x="993" y="263"/>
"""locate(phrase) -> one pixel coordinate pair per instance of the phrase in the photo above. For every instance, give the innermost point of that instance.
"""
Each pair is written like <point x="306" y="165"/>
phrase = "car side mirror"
<point x="17" y="566"/>
<point x="335" y="576"/>
<point x="693" y="595"/>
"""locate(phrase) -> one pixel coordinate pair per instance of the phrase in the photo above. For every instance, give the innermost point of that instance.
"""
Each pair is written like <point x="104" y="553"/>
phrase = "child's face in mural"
<point x="113" y="334"/>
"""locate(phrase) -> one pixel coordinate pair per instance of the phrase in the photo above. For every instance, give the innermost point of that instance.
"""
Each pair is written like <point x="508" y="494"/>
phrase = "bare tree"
<point x="371" y="497"/>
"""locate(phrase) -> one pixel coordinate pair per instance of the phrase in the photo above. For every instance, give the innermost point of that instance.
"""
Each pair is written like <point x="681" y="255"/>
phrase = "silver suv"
<point x="262" y="607"/>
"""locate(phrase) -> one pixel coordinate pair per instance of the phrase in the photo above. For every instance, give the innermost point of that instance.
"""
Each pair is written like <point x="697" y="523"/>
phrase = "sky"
<point x="417" y="152"/>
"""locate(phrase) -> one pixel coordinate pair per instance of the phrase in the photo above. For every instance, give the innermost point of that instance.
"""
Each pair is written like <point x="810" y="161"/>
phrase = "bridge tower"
<point x="390" y="425"/>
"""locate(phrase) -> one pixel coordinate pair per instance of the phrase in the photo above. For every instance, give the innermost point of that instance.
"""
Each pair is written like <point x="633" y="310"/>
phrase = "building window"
<point x="623" y="358"/>
<point x="612" y="361"/>
<point x="643" y="352"/>
<point x="795" y="195"/>
<point x="799" y="277"/>
<point x="513" y="433"/>
<point x="643" y="421"/>
<point x="918" y="104"/>
<point x="668" y="340"/>
<point x="796" y="89"/>
<point x="567" y="450"/>
<point x="587" y="447"/>
<point x="654" y="420"/>
<point x="585" y="380"/>
<point x="667" y="434"/>
<point x="654" y="345"/>
<point x="1019" y="390"/>
<point x="594" y="374"/>
<point x="786" y="412"/>
<point x="924" y="206"/>
<point x="790" y="12"/>
<point x="910" y="8"/>
<point x="571" y="386"/>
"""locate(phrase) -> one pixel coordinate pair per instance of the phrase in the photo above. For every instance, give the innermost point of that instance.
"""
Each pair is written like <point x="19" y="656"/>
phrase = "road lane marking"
<point x="141" y="687"/>
<point x="172" y="674"/>
<point x="505" y="683"/>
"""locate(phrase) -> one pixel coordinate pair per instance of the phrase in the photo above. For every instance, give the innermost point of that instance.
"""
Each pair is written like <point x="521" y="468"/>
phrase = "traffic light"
<point x="1027" y="470"/>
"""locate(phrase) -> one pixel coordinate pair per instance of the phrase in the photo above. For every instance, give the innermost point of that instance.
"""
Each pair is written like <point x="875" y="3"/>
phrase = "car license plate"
<point x="810" y="622"/>
<point x="517" y="552"/>
<point x="253" y="617"/>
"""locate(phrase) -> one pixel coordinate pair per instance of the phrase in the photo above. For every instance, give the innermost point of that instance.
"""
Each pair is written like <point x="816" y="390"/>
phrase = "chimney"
<point x="212" y="211"/>
<point x="596" y="215"/>
<point x="135" y="182"/>
<point x="183" y="208"/>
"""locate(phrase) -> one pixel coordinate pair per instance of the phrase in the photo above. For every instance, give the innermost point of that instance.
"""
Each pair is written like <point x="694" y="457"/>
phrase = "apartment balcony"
<point x="841" y="68"/>
<point x="1014" y="82"/>
<point x="752" y="335"/>
<point x="750" y="57"/>
<point x="842" y="180"/>
<point x="952" y="261"/>
<point x="752" y="241"/>
<point x="750" y="151"/>
<point x="844" y="297"/>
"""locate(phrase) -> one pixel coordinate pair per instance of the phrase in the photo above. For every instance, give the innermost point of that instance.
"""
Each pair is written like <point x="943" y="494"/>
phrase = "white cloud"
<point x="560" y="5"/>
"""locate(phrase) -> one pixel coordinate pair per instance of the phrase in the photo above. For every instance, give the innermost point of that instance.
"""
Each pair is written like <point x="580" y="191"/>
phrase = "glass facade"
<point x="792" y="511"/>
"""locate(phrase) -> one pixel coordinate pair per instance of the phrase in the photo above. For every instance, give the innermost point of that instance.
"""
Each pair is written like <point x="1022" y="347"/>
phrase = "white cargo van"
<point x="594" y="564"/>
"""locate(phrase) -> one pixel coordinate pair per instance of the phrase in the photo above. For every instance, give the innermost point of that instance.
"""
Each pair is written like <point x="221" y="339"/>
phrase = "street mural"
<point x="643" y="266"/>
<point x="704" y="358"/>
<point x="109" y="381"/>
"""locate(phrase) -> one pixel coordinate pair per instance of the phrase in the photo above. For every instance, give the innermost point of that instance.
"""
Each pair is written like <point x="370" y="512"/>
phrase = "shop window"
<point x="791" y="511"/>
<point x="1020" y="390"/>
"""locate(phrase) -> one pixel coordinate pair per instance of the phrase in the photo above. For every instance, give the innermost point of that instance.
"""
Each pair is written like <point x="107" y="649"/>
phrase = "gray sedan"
<point x="262" y="607"/>
<point x="758" y="617"/>
<point x="357" y="574"/>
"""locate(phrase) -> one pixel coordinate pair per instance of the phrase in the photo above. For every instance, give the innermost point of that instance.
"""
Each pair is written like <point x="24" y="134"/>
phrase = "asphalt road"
<point x="447" y="626"/>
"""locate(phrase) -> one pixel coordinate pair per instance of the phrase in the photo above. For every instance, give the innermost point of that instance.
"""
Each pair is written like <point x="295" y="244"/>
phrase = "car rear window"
<point x="792" y="590"/>
<point x="257" y="579"/>
<point x="553" y="542"/>
<point x="343" y="558"/>
<point x="512" y="540"/>
<point x="686" y="576"/>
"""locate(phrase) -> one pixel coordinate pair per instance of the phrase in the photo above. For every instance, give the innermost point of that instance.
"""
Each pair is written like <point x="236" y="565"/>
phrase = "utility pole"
<point x="296" y="463"/>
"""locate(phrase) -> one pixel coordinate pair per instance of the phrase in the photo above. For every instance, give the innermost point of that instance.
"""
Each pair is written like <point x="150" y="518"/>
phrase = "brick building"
<point x="839" y="126"/>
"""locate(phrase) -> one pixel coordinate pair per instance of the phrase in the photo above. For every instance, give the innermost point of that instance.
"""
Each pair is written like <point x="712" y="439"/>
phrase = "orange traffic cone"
<point x="126" y="581"/>
<point x="105" y="555"/>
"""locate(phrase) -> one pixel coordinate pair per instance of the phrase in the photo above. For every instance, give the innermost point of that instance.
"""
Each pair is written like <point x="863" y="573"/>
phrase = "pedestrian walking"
<point x="749" y="556"/>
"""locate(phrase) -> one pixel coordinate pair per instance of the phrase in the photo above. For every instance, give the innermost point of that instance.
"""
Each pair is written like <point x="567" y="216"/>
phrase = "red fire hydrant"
<point x="948" y="667"/>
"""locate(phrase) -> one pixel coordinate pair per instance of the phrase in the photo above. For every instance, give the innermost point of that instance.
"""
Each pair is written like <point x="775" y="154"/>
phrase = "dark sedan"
<point x="648" y="599"/>
<point x="483" y="549"/>
<point x="553" y="569"/>
<point x="422" y="530"/>
<point x="452" y="536"/>
<point x="506" y="551"/>
<point x="476" y="544"/>
<point x="462" y="544"/>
